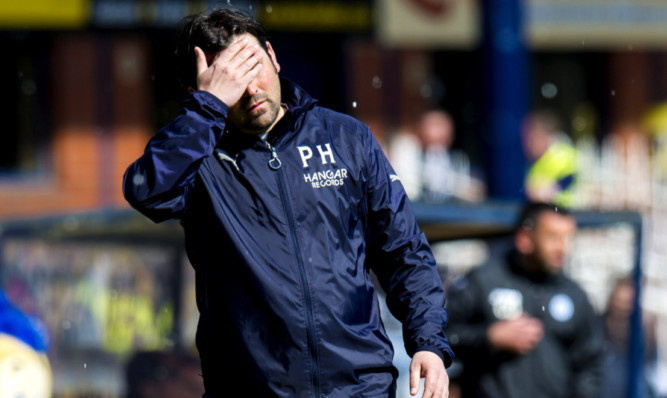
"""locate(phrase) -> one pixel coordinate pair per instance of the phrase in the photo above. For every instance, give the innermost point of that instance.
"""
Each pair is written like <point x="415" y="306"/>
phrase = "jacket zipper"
<point x="274" y="164"/>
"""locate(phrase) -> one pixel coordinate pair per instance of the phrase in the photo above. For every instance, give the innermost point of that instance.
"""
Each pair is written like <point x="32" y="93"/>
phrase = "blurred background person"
<point x="553" y="160"/>
<point x="430" y="169"/>
<point x="405" y="155"/>
<point x="520" y="326"/>
<point x="617" y="319"/>
<point x="626" y="173"/>
<point x="446" y="173"/>
<point x="436" y="131"/>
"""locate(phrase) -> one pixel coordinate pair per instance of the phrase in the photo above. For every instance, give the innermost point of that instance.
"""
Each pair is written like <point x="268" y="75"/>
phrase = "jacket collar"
<point x="297" y="101"/>
<point x="296" y="98"/>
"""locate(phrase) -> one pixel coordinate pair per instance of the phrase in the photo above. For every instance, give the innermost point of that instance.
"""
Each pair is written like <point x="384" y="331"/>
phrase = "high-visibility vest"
<point x="557" y="168"/>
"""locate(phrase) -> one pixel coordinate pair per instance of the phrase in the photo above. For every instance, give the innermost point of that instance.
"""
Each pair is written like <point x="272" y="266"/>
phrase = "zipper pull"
<point x="274" y="162"/>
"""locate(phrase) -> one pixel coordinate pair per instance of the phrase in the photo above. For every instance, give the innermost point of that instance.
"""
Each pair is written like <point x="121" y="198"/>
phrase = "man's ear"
<point x="272" y="55"/>
<point x="523" y="241"/>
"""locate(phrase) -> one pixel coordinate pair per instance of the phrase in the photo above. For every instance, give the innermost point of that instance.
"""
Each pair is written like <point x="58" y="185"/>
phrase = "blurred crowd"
<point x="566" y="163"/>
<point x="624" y="169"/>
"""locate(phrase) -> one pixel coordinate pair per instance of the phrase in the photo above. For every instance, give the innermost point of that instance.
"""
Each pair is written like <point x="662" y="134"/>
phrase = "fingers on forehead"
<point x="241" y="39"/>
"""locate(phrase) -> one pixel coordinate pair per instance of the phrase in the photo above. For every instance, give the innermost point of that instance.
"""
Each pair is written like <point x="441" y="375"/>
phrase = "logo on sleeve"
<point x="332" y="177"/>
<point x="225" y="157"/>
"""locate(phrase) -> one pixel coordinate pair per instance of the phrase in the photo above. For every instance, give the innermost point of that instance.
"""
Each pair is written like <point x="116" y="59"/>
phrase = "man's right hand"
<point x="231" y="71"/>
<point x="519" y="335"/>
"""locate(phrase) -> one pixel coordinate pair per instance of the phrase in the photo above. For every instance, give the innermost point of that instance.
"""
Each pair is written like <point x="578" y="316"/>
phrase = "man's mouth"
<point x="255" y="106"/>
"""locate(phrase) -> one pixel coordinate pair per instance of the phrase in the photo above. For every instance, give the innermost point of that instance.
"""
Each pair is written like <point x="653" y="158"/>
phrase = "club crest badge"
<point x="561" y="307"/>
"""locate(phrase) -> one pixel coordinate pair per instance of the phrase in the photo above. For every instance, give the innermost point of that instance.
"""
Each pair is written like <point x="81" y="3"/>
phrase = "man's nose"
<point x="251" y="90"/>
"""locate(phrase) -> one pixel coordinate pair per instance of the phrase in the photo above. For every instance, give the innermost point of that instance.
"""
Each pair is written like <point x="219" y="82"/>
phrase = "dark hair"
<point x="212" y="32"/>
<point x="532" y="211"/>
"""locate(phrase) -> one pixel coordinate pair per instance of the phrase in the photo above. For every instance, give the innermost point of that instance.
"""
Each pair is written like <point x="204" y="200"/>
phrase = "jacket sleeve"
<point x="402" y="260"/>
<point x="157" y="183"/>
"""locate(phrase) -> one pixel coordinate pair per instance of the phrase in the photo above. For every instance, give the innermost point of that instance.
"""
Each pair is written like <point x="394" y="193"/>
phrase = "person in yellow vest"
<point x="552" y="173"/>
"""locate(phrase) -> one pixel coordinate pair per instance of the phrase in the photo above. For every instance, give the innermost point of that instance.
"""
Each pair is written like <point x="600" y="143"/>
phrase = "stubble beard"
<point x="260" y="123"/>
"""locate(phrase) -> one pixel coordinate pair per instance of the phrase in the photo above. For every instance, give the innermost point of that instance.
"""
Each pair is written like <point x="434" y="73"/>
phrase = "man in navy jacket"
<point x="286" y="206"/>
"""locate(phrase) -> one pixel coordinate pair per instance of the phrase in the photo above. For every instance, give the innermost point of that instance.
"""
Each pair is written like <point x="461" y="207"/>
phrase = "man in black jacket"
<point x="521" y="327"/>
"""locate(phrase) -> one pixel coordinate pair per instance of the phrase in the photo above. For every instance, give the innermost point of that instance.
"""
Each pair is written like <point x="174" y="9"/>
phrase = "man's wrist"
<point x="445" y="358"/>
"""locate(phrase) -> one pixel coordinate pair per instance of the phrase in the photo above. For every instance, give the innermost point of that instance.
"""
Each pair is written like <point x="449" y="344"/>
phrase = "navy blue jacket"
<point x="282" y="234"/>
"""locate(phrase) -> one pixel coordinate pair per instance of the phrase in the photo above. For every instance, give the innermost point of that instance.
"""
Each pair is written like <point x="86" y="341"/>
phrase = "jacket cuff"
<point x="446" y="359"/>
<point x="210" y="103"/>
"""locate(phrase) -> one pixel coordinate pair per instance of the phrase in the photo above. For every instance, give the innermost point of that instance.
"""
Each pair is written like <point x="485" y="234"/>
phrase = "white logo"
<point x="224" y="156"/>
<point x="307" y="153"/>
<point x="506" y="303"/>
<point x="561" y="307"/>
<point x="327" y="178"/>
<point x="394" y="177"/>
